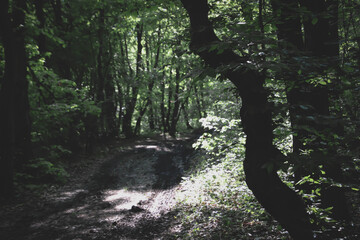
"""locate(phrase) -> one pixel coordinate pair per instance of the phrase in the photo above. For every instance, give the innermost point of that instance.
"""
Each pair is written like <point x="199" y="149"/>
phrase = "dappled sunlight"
<point x="63" y="196"/>
<point x="124" y="199"/>
<point x="155" y="147"/>
<point x="77" y="209"/>
<point x="215" y="203"/>
<point x="213" y="182"/>
<point x="152" y="147"/>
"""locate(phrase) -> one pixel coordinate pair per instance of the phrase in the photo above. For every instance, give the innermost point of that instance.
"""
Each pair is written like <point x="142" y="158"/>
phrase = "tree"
<point x="308" y="99"/>
<point x="14" y="104"/>
<point x="261" y="155"/>
<point x="131" y="103"/>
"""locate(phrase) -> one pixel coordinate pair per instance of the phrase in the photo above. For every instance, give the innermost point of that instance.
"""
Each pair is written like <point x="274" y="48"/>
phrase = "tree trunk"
<point x="139" y="119"/>
<point x="62" y="65"/>
<point x="198" y="104"/>
<point x="321" y="41"/>
<point x="169" y="105"/>
<point x="40" y="15"/>
<point x="260" y="156"/>
<point x="99" y="83"/>
<point x="131" y="103"/>
<point x="304" y="98"/>
<point x="14" y="104"/>
<point x="186" y="116"/>
<point x="109" y="109"/>
<point x="176" y="110"/>
<point x="155" y="68"/>
<point x="120" y="104"/>
<point x="162" y="104"/>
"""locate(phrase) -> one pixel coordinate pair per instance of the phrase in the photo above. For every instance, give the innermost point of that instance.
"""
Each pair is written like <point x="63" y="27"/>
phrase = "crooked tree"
<point x="256" y="115"/>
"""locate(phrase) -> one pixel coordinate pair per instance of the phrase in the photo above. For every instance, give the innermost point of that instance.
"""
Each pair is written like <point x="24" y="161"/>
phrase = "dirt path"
<point x="128" y="194"/>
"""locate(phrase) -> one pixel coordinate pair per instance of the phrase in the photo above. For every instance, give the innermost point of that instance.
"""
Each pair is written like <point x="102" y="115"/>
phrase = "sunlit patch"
<point x="148" y="146"/>
<point x="155" y="147"/>
<point x="162" y="202"/>
<point x="124" y="199"/>
<point x="70" y="194"/>
<point x="77" y="209"/>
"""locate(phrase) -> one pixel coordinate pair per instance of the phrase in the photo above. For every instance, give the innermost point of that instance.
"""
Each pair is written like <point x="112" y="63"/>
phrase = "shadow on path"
<point x="129" y="195"/>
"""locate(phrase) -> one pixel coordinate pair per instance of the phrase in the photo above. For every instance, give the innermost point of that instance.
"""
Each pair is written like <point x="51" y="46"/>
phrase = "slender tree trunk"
<point x="279" y="200"/>
<point x="169" y="100"/>
<point x="40" y="15"/>
<point x="104" y="85"/>
<point x="186" y="116"/>
<point x="151" y="115"/>
<point x="139" y="119"/>
<point x="99" y="84"/>
<point x="162" y="104"/>
<point x="130" y="105"/>
<point x="121" y="74"/>
<point x="176" y="109"/>
<point x="110" y="104"/>
<point x="57" y="7"/>
<point x="155" y="68"/>
<point x="120" y="105"/>
<point x="110" y="109"/>
<point x="14" y="104"/>
<point x="62" y="65"/>
<point x="290" y="34"/>
<point x="198" y="104"/>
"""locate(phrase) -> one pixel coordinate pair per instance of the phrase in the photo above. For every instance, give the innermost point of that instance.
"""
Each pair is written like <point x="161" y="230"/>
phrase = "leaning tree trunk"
<point x="14" y="104"/>
<point x="260" y="158"/>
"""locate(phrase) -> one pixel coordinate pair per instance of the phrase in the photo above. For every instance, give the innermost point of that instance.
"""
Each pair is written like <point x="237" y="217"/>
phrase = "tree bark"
<point x="169" y="105"/>
<point x="306" y="99"/>
<point x="14" y="104"/>
<point x="40" y="15"/>
<point x="198" y="104"/>
<point x="99" y="83"/>
<point x="186" y="116"/>
<point x="131" y="103"/>
<point x="279" y="200"/>
<point x="321" y="42"/>
<point x="176" y="109"/>
<point x="155" y="68"/>
<point x="162" y="104"/>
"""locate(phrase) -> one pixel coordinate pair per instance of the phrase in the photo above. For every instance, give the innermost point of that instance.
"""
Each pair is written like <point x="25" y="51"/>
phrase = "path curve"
<point x="128" y="194"/>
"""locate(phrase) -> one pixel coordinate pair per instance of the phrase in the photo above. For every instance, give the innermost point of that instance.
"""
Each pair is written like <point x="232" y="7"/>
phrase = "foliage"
<point x="214" y="201"/>
<point x="111" y="69"/>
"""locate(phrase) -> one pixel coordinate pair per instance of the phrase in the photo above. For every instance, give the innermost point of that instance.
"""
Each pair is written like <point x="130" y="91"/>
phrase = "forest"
<point x="183" y="119"/>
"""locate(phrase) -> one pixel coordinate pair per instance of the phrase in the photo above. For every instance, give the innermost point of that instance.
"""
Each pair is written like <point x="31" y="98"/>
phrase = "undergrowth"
<point x="214" y="201"/>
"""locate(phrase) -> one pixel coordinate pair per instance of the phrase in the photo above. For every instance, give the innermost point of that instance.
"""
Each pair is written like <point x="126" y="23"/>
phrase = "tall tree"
<point x="131" y="103"/>
<point x="14" y="104"/>
<point x="308" y="100"/>
<point x="278" y="199"/>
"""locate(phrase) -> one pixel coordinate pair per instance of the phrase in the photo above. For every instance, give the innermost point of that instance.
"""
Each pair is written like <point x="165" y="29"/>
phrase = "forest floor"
<point x="128" y="190"/>
<point x="128" y="193"/>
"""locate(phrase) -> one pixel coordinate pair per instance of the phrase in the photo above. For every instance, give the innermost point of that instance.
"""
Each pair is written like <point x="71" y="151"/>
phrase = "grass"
<point x="215" y="203"/>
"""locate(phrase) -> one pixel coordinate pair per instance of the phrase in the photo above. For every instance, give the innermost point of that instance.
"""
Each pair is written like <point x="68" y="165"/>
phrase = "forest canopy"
<point x="273" y="84"/>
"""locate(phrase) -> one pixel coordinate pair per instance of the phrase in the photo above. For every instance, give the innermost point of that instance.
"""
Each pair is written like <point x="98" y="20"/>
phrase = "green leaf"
<point x="213" y="47"/>
<point x="322" y="82"/>
<point x="314" y="21"/>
